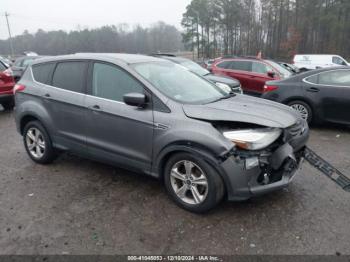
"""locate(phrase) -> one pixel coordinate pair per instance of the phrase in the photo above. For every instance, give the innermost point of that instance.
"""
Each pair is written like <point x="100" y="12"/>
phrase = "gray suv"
<point x="153" y="116"/>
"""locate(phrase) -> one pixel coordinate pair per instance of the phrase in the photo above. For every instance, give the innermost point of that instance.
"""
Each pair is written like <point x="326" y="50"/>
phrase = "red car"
<point x="7" y="83"/>
<point x="253" y="73"/>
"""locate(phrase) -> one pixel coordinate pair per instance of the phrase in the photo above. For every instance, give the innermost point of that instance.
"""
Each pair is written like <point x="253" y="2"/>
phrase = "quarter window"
<point x="70" y="76"/>
<point x="41" y="72"/>
<point x="113" y="83"/>
<point x="336" y="78"/>
<point x="312" y="79"/>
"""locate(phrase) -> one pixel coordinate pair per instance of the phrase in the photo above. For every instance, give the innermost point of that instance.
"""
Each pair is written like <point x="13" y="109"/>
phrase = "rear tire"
<point x="303" y="109"/>
<point x="192" y="183"/>
<point x="38" y="144"/>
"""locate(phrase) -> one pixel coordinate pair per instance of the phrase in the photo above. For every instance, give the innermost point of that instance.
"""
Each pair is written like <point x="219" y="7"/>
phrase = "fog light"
<point x="252" y="162"/>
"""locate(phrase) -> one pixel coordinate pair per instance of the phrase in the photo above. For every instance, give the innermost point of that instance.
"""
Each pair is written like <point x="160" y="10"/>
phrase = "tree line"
<point x="278" y="28"/>
<point x="159" y="37"/>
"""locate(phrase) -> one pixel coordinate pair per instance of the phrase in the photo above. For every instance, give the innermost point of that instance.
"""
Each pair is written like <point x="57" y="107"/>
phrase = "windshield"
<point x="283" y="71"/>
<point x="178" y="83"/>
<point x="194" y="67"/>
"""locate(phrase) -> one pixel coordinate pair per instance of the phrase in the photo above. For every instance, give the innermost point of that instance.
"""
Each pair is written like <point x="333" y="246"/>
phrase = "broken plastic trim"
<point x="327" y="169"/>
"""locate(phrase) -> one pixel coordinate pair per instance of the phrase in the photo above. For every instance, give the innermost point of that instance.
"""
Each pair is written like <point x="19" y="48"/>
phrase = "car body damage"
<point x="264" y="170"/>
<point x="244" y="109"/>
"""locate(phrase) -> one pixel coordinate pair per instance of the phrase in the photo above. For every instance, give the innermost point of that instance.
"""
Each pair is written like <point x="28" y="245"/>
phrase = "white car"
<point x="311" y="62"/>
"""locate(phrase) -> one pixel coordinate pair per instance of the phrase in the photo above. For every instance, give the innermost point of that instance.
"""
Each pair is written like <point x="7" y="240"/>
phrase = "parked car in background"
<point x="311" y="62"/>
<point x="319" y="96"/>
<point x="252" y="73"/>
<point x="208" y="63"/>
<point x="6" y="61"/>
<point x="6" y="87"/>
<point x="137" y="112"/>
<point x="290" y="67"/>
<point x="21" y="64"/>
<point x="228" y="84"/>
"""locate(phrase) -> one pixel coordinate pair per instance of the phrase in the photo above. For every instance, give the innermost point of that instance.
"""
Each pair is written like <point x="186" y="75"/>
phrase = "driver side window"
<point x="337" y="60"/>
<point x="261" y="68"/>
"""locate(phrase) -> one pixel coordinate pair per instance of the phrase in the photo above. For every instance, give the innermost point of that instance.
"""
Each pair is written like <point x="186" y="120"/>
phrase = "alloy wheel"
<point x="189" y="182"/>
<point x="35" y="142"/>
<point x="302" y="110"/>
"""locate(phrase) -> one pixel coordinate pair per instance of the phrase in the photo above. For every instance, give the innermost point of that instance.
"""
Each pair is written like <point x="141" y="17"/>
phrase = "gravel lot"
<point x="76" y="206"/>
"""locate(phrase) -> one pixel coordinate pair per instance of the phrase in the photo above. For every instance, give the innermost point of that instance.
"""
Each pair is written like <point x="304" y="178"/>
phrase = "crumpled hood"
<point x="246" y="109"/>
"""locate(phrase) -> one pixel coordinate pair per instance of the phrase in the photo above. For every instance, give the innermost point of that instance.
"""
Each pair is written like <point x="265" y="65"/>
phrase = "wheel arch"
<point x="25" y="120"/>
<point x="195" y="149"/>
<point x="315" y="114"/>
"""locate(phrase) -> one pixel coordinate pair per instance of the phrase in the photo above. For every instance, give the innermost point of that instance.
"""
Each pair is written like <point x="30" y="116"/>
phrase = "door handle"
<point x="95" y="108"/>
<point x="47" y="95"/>
<point x="313" y="90"/>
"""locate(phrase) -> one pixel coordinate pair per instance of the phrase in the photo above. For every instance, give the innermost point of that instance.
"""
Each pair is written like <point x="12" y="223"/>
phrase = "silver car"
<point x="155" y="117"/>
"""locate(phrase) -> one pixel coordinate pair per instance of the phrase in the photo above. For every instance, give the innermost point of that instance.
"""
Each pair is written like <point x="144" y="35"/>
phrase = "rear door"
<point x="331" y="91"/>
<point x="118" y="133"/>
<point x="64" y="99"/>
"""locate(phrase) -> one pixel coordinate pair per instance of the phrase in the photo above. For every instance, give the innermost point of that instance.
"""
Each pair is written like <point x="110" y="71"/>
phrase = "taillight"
<point x="18" y="88"/>
<point x="268" y="88"/>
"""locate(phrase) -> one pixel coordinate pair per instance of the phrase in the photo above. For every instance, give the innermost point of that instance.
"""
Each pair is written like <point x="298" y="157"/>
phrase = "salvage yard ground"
<point x="76" y="206"/>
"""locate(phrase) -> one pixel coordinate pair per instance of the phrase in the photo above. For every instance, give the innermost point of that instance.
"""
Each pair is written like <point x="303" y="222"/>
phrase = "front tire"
<point x="303" y="109"/>
<point x="192" y="183"/>
<point x="37" y="143"/>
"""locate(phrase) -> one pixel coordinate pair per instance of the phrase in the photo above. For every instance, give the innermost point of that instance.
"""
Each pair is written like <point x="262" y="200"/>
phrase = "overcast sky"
<point x="68" y="15"/>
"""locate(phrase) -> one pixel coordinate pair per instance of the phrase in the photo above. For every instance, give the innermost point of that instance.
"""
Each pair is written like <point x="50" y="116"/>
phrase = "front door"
<point x="118" y="133"/>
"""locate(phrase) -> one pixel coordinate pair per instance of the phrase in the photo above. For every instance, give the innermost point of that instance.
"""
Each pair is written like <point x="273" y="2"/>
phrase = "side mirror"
<point x="271" y="74"/>
<point x="135" y="99"/>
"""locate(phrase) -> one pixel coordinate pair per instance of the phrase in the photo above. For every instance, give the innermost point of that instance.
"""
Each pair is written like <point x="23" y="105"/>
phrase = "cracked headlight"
<point x="253" y="139"/>
<point x="224" y="87"/>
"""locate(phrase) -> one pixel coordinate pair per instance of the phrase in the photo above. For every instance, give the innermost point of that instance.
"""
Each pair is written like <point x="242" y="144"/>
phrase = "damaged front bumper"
<point x="251" y="173"/>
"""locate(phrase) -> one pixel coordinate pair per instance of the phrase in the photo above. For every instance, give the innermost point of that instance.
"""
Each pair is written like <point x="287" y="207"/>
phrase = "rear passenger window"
<point x="70" y="76"/>
<point x="335" y="78"/>
<point x="113" y="83"/>
<point x="42" y="72"/>
<point x="224" y="65"/>
<point x="242" y="65"/>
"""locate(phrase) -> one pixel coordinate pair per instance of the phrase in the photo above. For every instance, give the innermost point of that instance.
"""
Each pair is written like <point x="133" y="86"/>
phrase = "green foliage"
<point x="279" y="28"/>
<point x="158" y="38"/>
